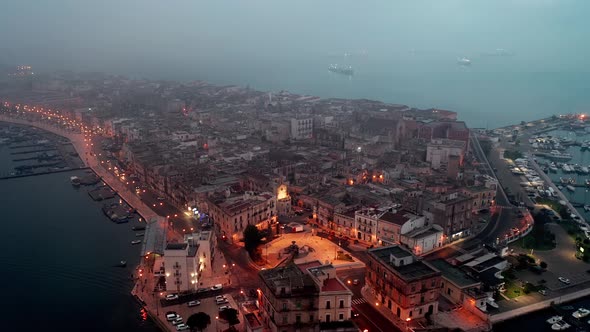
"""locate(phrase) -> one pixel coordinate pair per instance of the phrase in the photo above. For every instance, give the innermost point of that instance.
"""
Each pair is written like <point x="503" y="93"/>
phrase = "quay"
<point x="561" y="196"/>
<point x="42" y="173"/>
<point x="33" y="151"/>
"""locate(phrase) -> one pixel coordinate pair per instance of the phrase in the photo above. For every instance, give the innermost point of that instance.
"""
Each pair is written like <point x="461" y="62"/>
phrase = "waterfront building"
<point x="405" y="285"/>
<point x="305" y="297"/>
<point x="205" y="242"/>
<point x="181" y="267"/>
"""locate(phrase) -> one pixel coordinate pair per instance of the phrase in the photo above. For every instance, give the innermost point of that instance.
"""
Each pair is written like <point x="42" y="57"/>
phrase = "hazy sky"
<point x="101" y="33"/>
<point x="412" y="47"/>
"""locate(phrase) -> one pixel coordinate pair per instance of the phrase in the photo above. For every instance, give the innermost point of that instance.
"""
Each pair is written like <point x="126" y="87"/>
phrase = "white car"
<point x="564" y="280"/>
<point x="217" y="287"/>
<point x="177" y="321"/>
<point x="171" y="317"/>
<point x="182" y="327"/>
<point x="220" y="297"/>
<point x="224" y="307"/>
<point x="221" y="301"/>
<point x="171" y="297"/>
<point x="194" y="303"/>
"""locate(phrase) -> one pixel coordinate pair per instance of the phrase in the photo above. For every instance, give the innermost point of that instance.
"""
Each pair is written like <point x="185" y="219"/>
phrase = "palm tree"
<point x="198" y="321"/>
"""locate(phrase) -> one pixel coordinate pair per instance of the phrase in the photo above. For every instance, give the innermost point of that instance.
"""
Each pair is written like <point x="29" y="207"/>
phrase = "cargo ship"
<point x="348" y="71"/>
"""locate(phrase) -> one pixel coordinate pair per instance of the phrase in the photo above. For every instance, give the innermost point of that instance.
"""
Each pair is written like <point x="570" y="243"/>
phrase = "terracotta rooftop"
<point x="333" y="285"/>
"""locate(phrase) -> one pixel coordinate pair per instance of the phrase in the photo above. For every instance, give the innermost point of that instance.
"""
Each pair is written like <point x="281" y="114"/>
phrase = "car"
<point x="160" y="198"/>
<point x="354" y="313"/>
<point x="217" y="287"/>
<point x="564" y="280"/>
<point x="543" y="292"/>
<point x="170" y="313"/>
<point x="182" y="327"/>
<point x="224" y="307"/>
<point x="194" y="303"/>
<point x="177" y="321"/>
<point x="220" y="301"/>
<point x="171" y="296"/>
<point x="171" y="317"/>
<point x="202" y="290"/>
<point x="220" y="297"/>
<point x="355" y="282"/>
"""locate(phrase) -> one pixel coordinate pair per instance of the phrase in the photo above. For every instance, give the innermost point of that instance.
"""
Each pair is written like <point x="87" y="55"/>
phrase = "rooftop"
<point x="454" y="274"/>
<point x="333" y="285"/>
<point x="398" y="217"/>
<point x="176" y="246"/>
<point x="415" y="270"/>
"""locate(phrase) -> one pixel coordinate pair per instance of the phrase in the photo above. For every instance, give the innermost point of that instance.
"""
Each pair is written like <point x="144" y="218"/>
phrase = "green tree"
<point x="230" y="315"/>
<point x="198" y="321"/>
<point x="252" y="239"/>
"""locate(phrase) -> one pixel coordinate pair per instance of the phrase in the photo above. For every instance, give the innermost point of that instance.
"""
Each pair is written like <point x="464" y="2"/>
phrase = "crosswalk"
<point x="359" y="301"/>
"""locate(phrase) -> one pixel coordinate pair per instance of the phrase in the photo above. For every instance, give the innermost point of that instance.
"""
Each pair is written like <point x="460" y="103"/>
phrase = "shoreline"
<point x="133" y="201"/>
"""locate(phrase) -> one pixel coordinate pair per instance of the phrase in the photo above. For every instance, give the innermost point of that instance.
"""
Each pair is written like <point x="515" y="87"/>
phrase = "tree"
<point x="543" y="265"/>
<point x="198" y="321"/>
<point x="252" y="239"/>
<point x="230" y="315"/>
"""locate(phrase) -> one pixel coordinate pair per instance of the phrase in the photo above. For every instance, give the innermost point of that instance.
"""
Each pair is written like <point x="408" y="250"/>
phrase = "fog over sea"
<point x="529" y="58"/>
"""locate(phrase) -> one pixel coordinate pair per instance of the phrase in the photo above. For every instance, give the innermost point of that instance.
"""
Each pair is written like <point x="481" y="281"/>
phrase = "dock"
<point x="42" y="173"/>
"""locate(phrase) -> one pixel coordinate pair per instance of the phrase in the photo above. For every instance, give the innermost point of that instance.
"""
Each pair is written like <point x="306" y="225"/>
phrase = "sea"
<point x="59" y="255"/>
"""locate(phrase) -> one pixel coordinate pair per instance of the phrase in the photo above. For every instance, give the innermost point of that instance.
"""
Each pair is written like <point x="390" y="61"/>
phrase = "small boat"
<point x="139" y="234"/>
<point x="581" y="313"/>
<point x="138" y="228"/>
<point x="587" y="208"/>
<point x="136" y="242"/>
<point x="122" y="263"/>
<point x="75" y="181"/>
<point x="560" y="187"/>
<point x="554" y="319"/>
<point x="570" y="188"/>
<point x="560" y="326"/>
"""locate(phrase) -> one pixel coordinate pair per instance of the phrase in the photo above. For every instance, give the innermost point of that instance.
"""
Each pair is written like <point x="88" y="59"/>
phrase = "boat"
<point x="560" y="187"/>
<point x="554" y="319"/>
<point x="587" y="208"/>
<point x="136" y="242"/>
<point x="122" y="263"/>
<point x="139" y="234"/>
<point x="75" y="181"/>
<point x="560" y="326"/>
<point x="570" y="187"/>
<point x="138" y="228"/>
<point x="581" y="313"/>
<point x="341" y="70"/>
<point x="464" y="61"/>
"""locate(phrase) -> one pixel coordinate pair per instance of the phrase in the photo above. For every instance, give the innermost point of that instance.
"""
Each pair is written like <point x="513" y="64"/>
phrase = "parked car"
<point x="202" y="290"/>
<point x="172" y="316"/>
<point x="217" y="287"/>
<point x="355" y="282"/>
<point x="194" y="303"/>
<point x="224" y="307"/>
<point x="182" y="327"/>
<point x="177" y="321"/>
<point x="220" y="301"/>
<point x="171" y="296"/>
<point x="543" y="292"/>
<point x="564" y="280"/>
<point x="220" y="297"/>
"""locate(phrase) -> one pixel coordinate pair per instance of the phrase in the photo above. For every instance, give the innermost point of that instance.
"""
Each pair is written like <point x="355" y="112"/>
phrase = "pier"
<point x="33" y="151"/>
<point x="558" y="192"/>
<point x="42" y="173"/>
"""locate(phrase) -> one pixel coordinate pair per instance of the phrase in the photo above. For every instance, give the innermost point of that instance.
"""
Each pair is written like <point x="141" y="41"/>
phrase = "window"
<point x="341" y="303"/>
<point x="341" y="317"/>
<point x="410" y="313"/>
<point x="327" y="318"/>
<point x="311" y="318"/>
<point x="285" y="319"/>
<point x="284" y="305"/>
<point x="298" y="319"/>
<point x="327" y="304"/>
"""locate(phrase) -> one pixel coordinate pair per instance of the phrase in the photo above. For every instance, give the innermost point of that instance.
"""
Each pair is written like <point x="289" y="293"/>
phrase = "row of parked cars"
<point x="176" y="320"/>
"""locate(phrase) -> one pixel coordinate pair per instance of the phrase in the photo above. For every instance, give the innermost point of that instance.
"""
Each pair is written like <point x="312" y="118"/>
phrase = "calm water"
<point x="402" y="51"/>
<point x="58" y="254"/>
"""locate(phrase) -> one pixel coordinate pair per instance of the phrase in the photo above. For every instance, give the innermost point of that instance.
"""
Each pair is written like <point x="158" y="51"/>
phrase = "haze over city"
<point x="316" y="166"/>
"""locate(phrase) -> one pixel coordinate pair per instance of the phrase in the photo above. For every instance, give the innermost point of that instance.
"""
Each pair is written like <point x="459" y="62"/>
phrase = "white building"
<point x="181" y="267"/>
<point x="439" y="150"/>
<point x="301" y="128"/>
<point x="205" y="243"/>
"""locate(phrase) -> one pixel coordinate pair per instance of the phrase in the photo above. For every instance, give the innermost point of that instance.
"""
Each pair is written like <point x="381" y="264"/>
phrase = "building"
<point x="232" y="214"/>
<point x="181" y="267"/>
<point x="451" y="211"/>
<point x="284" y="205"/>
<point x="301" y="128"/>
<point x="406" y="286"/>
<point x="205" y="243"/>
<point x="306" y="297"/>
<point x="440" y="151"/>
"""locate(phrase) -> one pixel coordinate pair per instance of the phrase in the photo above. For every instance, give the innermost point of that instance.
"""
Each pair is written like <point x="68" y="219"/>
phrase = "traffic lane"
<point x="373" y="319"/>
